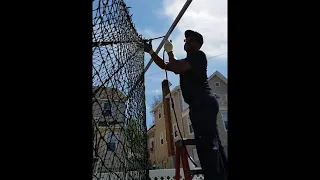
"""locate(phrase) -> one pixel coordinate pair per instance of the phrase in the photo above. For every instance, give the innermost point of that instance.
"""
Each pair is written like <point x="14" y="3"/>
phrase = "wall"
<point x="222" y="91"/>
<point x="111" y="162"/>
<point x="161" y="151"/>
<point x="151" y="137"/>
<point x="117" y="100"/>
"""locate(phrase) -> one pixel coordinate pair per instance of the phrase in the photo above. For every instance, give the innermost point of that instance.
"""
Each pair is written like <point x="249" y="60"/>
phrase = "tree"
<point x="156" y="100"/>
<point x="135" y="136"/>
<point x="136" y="142"/>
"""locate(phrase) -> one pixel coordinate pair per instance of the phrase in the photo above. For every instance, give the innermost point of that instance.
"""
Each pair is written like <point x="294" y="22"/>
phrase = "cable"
<point x="217" y="55"/>
<point x="175" y="115"/>
<point x="153" y="74"/>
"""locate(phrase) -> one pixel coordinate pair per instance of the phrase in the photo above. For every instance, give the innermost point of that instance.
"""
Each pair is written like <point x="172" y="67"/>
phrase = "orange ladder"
<point x="181" y="153"/>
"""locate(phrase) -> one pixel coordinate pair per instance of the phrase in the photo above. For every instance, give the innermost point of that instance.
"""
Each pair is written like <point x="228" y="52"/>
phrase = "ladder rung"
<point x="180" y="142"/>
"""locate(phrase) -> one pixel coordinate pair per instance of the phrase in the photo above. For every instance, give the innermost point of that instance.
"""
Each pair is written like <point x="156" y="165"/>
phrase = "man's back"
<point x="193" y="83"/>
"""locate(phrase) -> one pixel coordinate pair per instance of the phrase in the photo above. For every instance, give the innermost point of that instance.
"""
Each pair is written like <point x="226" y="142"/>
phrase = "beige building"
<point x="151" y="145"/>
<point x="108" y="109"/>
<point x="158" y="146"/>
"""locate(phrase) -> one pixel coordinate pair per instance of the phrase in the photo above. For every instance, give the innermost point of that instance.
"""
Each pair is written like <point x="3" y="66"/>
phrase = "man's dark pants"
<point x="210" y="151"/>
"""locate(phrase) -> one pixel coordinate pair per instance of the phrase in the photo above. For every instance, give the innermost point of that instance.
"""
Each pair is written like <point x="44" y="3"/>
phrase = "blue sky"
<point x="152" y="18"/>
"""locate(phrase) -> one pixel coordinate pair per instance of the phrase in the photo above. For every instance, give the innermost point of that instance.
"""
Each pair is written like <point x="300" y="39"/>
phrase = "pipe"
<point x="175" y="22"/>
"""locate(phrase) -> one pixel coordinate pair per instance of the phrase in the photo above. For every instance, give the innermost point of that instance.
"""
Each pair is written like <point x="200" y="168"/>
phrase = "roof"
<point x="218" y="74"/>
<point x="152" y="128"/>
<point x="175" y="90"/>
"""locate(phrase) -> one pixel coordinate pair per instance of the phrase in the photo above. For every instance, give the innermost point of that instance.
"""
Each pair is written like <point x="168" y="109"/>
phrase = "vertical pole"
<point x="167" y="117"/>
<point x="185" y="164"/>
<point x="178" y="153"/>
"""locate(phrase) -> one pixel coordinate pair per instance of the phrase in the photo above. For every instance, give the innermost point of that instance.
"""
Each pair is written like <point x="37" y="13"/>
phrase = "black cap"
<point x="198" y="36"/>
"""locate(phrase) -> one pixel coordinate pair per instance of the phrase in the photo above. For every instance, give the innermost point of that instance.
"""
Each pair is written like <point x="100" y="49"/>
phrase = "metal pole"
<point x="175" y="22"/>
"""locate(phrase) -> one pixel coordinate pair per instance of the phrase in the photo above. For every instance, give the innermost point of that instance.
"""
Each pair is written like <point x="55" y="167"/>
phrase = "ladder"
<point x="181" y="154"/>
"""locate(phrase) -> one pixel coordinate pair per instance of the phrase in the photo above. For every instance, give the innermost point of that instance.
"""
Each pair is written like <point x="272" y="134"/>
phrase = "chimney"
<point x="167" y="116"/>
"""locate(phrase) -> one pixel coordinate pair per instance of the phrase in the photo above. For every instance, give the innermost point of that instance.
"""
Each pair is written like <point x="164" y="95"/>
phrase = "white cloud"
<point x="208" y="17"/>
<point x="148" y="33"/>
<point x="157" y="91"/>
<point x="150" y="93"/>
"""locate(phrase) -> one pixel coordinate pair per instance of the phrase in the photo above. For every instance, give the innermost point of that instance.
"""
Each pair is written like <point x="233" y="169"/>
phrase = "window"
<point x="159" y="112"/>
<point x="152" y="145"/>
<point x="217" y="84"/>
<point x="106" y="109"/>
<point x="111" y="142"/>
<point x="175" y="132"/>
<point x="190" y="125"/>
<point x="161" y="138"/>
<point x="224" y="116"/>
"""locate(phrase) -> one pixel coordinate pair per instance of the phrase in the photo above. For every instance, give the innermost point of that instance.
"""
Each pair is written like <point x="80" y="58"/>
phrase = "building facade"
<point x="108" y="109"/>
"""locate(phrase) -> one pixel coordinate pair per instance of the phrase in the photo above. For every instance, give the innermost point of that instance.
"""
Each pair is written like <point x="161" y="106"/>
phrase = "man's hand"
<point x="148" y="47"/>
<point x="168" y="47"/>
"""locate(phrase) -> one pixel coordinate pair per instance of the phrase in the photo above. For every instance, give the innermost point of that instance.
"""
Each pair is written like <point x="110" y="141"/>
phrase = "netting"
<point x="118" y="98"/>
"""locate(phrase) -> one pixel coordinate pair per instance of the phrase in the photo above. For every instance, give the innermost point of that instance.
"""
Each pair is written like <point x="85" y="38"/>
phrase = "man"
<point x="203" y="105"/>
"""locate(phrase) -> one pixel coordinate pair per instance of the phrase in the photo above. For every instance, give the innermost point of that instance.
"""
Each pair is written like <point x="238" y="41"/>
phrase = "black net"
<point x="118" y="98"/>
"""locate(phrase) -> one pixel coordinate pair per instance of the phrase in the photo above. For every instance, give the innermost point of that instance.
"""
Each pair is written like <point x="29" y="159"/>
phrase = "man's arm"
<point x="157" y="59"/>
<point x="178" y="67"/>
<point x="173" y="65"/>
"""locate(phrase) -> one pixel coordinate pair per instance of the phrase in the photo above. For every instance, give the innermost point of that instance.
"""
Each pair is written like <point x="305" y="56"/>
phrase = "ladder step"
<point x="185" y="141"/>
<point x="196" y="171"/>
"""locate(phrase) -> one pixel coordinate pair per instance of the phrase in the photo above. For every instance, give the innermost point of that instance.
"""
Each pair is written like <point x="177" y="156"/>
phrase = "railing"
<point x="158" y="174"/>
<point x="169" y="174"/>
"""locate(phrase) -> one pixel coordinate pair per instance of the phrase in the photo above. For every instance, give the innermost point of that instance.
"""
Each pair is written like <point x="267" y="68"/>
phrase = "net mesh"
<point x="118" y="95"/>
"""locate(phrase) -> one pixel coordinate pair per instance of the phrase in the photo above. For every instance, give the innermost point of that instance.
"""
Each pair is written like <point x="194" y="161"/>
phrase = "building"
<point x="108" y="109"/>
<point x="157" y="140"/>
<point x="151" y="146"/>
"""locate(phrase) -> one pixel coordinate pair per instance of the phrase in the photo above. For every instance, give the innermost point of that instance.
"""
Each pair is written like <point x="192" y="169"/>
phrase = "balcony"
<point x="106" y="122"/>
